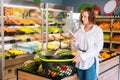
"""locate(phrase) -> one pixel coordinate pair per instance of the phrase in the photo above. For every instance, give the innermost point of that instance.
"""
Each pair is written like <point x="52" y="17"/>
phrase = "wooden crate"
<point x="22" y="75"/>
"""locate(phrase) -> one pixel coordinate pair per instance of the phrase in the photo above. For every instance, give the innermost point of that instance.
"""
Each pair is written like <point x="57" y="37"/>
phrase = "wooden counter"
<point x="108" y="71"/>
<point x="23" y="75"/>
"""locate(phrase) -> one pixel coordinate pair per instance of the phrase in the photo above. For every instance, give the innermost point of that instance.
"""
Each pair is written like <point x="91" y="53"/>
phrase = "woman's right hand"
<point x="73" y="37"/>
<point x="77" y="58"/>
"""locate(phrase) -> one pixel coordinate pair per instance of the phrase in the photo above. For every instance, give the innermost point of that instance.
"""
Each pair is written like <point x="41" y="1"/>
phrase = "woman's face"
<point x="85" y="16"/>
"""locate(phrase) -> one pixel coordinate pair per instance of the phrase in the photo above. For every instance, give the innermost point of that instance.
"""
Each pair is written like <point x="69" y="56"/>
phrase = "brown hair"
<point x="91" y="17"/>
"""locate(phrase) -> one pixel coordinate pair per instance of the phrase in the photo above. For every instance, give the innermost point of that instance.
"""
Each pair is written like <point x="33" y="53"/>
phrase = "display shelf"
<point x="115" y="42"/>
<point x="111" y="22"/>
<point x="23" y="15"/>
<point x="106" y="30"/>
<point x="15" y="17"/>
<point x="105" y="50"/>
<point x="116" y="50"/>
<point x="107" y="41"/>
<point x="60" y="17"/>
<point x="115" y="31"/>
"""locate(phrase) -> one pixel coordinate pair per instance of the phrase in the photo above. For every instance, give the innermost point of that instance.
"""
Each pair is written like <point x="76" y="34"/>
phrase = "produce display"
<point x="7" y="55"/>
<point x="20" y="31"/>
<point x="29" y="47"/>
<point x="30" y="65"/>
<point x="106" y="36"/>
<point x="18" y="21"/>
<point x="59" y="69"/>
<point x="16" y="52"/>
<point x="54" y="29"/>
<point x="38" y="29"/>
<point x="118" y="48"/>
<point x="10" y="11"/>
<point x="104" y="25"/>
<point x="51" y="66"/>
<point x="26" y="30"/>
<point x="9" y="30"/>
<point x="116" y="25"/>
<point x="106" y="55"/>
<point x="12" y="53"/>
<point x="56" y="36"/>
<point x="53" y="45"/>
<point x="24" y="34"/>
<point x="65" y="43"/>
<point x="116" y="38"/>
<point x="62" y="52"/>
<point x="111" y="27"/>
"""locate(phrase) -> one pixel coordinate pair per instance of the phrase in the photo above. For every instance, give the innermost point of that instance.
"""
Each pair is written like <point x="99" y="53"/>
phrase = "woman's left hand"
<point x="77" y="58"/>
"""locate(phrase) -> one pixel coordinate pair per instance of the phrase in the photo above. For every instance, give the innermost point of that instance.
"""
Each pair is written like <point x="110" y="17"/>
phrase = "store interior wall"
<point x="60" y="2"/>
<point x="76" y="4"/>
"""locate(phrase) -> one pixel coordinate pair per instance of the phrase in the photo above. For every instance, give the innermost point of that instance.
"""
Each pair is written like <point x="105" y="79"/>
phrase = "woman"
<point x="89" y="42"/>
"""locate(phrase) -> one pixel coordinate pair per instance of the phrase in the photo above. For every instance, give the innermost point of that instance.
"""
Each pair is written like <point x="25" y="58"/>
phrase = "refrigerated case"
<point x="28" y="27"/>
<point x="21" y="35"/>
<point x="58" y="20"/>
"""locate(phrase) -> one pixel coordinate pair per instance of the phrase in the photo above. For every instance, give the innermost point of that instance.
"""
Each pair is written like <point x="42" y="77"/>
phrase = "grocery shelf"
<point x="105" y="49"/>
<point x="106" y="30"/>
<point x="116" y="31"/>
<point x="117" y="51"/>
<point x="107" y="41"/>
<point x="110" y="25"/>
<point x="116" y="42"/>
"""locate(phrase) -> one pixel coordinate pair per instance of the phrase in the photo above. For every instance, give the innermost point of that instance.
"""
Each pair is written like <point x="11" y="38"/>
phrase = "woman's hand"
<point x="73" y="37"/>
<point x="77" y="58"/>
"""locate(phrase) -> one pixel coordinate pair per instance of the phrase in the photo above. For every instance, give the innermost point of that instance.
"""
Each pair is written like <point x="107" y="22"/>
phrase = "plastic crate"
<point x="58" y="68"/>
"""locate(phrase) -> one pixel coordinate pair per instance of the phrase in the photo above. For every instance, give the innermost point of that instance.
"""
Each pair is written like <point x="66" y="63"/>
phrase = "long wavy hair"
<point x="91" y="13"/>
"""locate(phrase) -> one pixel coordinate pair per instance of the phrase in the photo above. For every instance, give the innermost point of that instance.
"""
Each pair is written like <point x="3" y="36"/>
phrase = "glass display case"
<point x="57" y="21"/>
<point x="29" y="27"/>
<point x="21" y="35"/>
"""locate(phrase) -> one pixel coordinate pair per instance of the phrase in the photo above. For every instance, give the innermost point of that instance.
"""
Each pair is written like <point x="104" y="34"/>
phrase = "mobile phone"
<point x="71" y="33"/>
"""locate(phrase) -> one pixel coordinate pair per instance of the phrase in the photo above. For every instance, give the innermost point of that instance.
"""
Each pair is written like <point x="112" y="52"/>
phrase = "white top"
<point x="92" y="42"/>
